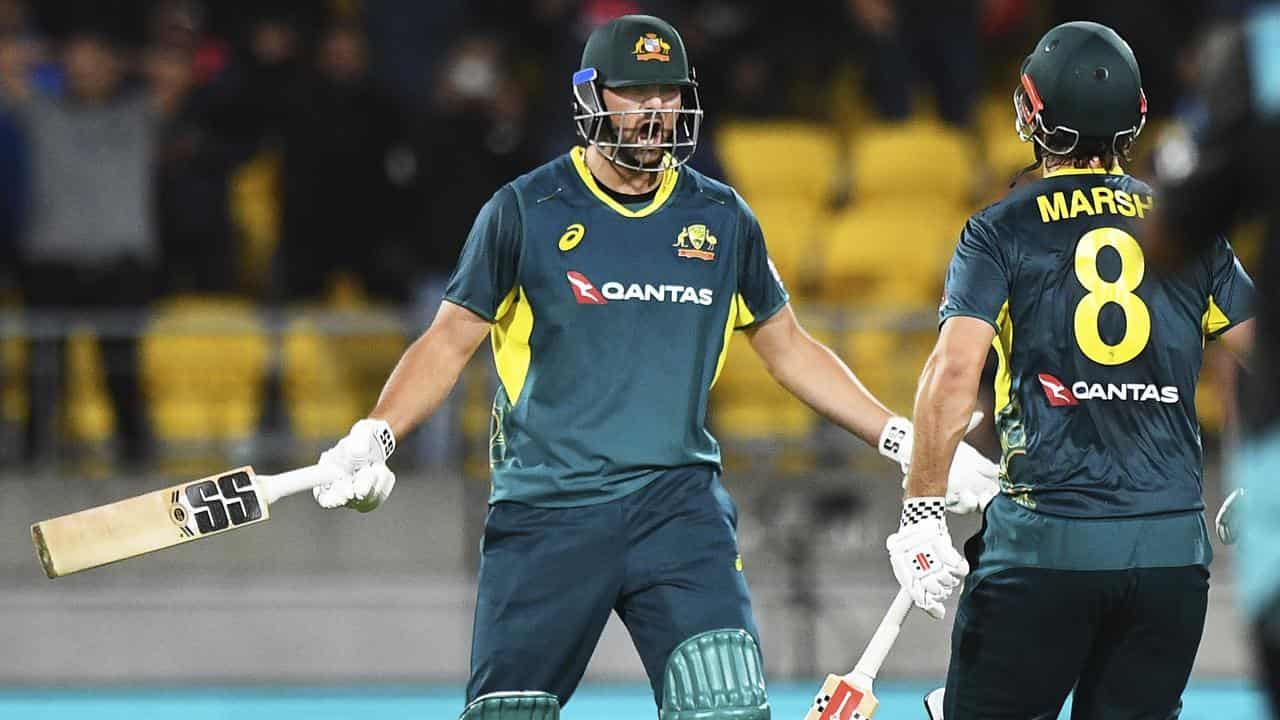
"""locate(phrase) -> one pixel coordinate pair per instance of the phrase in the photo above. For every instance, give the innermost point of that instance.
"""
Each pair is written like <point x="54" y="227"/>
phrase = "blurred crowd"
<point x="298" y="152"/>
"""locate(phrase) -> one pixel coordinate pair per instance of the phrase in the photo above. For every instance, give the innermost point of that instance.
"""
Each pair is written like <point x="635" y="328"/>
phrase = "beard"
<point x="641" y="158"/>
<point x="648" y="158"/>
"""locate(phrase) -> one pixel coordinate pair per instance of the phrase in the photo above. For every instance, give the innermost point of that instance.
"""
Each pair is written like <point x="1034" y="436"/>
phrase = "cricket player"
<point x="1091" y="568"/>
<point x="1218" y="173"/>
<point x="610" y="281"/>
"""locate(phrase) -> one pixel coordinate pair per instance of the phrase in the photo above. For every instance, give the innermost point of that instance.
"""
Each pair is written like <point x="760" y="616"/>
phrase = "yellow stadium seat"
<point x="203" y="364"/>
<point x="1005" y="153"/>
<point x="335" y="363"/>
<point x="768" y="159"/>
<point x="747" y="404"/>
<point x="87" y="411"/>
<point x="255" y="212"/>
<point x="890" y="251"/>
<point x="793" y="233"/>
<point x="13" y="355"/>
<point x="918" y="159"/>
<point x="886" y="350"/>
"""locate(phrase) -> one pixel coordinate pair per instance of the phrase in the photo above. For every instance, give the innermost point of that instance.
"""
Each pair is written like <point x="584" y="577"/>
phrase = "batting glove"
<point x="370" y="442"/>
<point x="972" y="480"/>
<point x="933" y="703"/>
<point x="363" y="491"/>
<point x="924" y="560"/>
<point x="364" y="480"/>
<point x="1228" y="520"/>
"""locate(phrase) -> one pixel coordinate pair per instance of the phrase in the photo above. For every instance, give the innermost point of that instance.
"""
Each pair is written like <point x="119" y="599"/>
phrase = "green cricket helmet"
<point x="1081" y="83"/>
<point x="625" y="52"/>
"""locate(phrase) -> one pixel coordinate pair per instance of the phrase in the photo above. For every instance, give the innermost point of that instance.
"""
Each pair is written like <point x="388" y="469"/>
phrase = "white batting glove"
<point x="363" y="491"/>
<point x="933" y="703"/>
<point x="1228" y="518"/>
<point x="370" y="442"/>
<point x="924" y="560"/>
<point x="972" y="480"/>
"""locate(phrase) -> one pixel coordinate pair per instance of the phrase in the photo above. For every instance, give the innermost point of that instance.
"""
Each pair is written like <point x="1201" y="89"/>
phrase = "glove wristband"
<point x="918" y="509"/>
<point x="895" y="440"/>
<point x="386" y="438"/>
<point x="381" y="433"/>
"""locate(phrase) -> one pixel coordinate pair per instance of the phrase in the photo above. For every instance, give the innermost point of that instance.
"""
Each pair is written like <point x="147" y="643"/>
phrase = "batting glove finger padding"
<point x="924" y="560"/>
<point x="372" y="485"/>
<point x="363" y="491"/>
<point x="1228" y="518"/>
<point x="971" y="482"/>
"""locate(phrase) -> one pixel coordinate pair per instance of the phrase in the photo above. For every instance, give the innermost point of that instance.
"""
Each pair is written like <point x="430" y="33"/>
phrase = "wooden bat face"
<point x="149" y="522"/>
<point x="839" y="700"/>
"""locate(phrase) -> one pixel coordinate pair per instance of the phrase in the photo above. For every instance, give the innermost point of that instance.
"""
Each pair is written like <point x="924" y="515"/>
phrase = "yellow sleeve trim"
<point x="665" y="187"/>
<point x="1214" y="319"/>
<point x="510" y="337"/>
<point x="1003" y="343"/>
<point x="745" y="316"/>
<point x="739" y="316"/>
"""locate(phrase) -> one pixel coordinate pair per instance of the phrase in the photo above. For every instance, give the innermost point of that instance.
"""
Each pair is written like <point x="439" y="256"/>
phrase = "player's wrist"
<point x="921" y="510"/>
<point x="895" y="440"/>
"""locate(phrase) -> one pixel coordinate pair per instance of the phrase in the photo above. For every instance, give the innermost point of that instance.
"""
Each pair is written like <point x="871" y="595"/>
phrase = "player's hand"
<point x="370" y="442"/>
<point x="1228" y="520"/>
<point x="972" y="480"/>
<point x="924" y="560"/>
<point x="364" y="491"/>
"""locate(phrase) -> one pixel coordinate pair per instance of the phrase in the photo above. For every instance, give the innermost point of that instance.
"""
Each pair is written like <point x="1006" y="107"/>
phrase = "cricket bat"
<point x="165" y="518"/>
<point x="849" y="697"/>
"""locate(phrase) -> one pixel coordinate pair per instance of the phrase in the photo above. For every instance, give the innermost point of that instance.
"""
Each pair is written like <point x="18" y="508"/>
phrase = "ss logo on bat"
<point x="217" y="505"/>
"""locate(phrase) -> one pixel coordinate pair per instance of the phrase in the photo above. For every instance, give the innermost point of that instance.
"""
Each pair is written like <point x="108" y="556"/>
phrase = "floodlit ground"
<point x="1206" y="701"/>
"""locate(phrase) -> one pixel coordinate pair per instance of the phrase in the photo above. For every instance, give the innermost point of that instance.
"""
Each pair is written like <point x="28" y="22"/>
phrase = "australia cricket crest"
<point x="696" y="241"/>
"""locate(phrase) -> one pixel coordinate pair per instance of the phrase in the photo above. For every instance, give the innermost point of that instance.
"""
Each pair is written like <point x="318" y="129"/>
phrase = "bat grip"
<point x="869" y="664"/>
<point x="296" y="481"/>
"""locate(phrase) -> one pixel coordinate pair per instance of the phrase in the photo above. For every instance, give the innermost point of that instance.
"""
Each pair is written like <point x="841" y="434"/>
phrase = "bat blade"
<point x="149" y="522"/>
<point x="841" y="699"/>
<point x="849" y="697"/>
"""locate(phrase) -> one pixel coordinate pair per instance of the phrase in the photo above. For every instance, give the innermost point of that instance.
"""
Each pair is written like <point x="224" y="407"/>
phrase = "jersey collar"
<point x="1115" y="170"/>
<point x="665" y="187"/>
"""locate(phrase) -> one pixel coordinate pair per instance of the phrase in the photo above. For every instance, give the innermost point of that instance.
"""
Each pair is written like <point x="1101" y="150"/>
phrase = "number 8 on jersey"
<point x="1120" y="291"/>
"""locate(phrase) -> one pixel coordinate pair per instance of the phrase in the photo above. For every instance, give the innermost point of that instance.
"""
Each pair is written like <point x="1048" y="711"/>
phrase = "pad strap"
<point x="715" y="675"/>
<point x="524" y="705"/>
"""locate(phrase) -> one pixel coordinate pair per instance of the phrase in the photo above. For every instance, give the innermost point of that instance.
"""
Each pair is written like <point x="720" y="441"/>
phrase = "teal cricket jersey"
<point x="610" y="325"/>
<point x="1098" y="354"/>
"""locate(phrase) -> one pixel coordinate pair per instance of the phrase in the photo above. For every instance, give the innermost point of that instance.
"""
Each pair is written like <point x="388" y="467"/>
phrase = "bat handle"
<point x="869" y="664"/>
<point x="296" y="481"/>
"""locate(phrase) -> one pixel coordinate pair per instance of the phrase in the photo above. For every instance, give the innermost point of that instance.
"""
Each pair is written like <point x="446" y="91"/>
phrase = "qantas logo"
<point x="584" y="291"/>
<point x="1056" y="391"/>
<point x="1059" y="395"/>
<point x="587" y="294"/>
